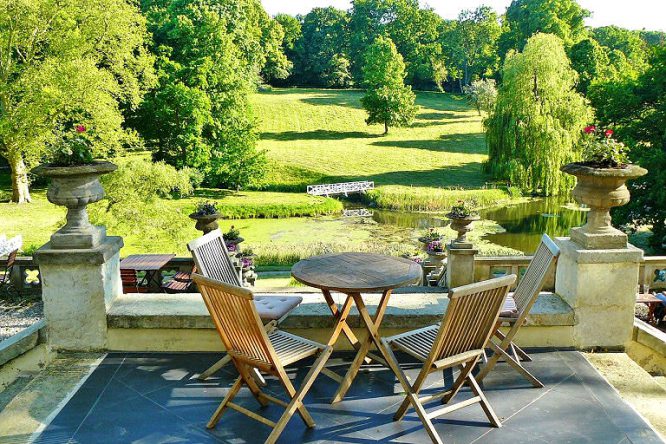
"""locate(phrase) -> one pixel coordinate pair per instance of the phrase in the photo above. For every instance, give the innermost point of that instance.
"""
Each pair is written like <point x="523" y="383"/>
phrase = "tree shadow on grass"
<point x="450" y="143"/>
<point x="437" y="116"/>
<point x="211" y="193"/>
<point x="317" y="135"/>
<point x="350" y="99"/>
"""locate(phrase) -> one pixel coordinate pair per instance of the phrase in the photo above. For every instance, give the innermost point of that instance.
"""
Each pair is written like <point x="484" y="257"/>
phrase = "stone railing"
<point x="487" y="267"/>
<point x="652" y="270"/>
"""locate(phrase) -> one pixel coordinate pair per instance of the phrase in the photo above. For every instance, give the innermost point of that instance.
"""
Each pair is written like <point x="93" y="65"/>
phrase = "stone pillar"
<point x="460" y="266"/>
<point x="78" y="285"/>
<point x="600" y="286"/>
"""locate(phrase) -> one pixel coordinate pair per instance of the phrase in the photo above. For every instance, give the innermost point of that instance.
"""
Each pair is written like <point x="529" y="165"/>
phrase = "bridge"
<point x="329" y="189"/>
<point x="361" y="212"/>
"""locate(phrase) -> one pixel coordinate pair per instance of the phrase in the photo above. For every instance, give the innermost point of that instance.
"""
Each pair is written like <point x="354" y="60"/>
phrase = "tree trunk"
<point x="20" y="190"/>
<point x="385" y="127"/>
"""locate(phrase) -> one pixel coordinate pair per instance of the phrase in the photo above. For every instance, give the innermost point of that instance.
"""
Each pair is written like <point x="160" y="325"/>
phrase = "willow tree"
<point x="538" y="118"/>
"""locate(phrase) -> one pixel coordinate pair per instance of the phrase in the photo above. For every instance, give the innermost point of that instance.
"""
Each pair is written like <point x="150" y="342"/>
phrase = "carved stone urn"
<point x="207" y="222"/>
<point x="75" y="187"/>
<point x="462" y="225"/>
<point x="601" y="189"/>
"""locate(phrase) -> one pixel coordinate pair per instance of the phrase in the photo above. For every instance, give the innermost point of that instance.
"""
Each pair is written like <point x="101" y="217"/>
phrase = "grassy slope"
<point x="325" y="138"/>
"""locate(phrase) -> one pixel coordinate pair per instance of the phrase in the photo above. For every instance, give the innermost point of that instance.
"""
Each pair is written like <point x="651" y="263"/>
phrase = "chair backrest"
<point x="535" y="276"/>
<point x="11" y="258"/>
<point x="236" y="319"/>
<point x="212" y="258"/>
<point x="471" y="316"/>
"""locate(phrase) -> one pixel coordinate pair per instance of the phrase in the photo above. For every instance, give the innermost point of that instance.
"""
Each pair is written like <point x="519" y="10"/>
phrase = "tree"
<point x="538" y="118"/>
<point x="591" y="62"/>
<point x="627" y="51"/>
<point x="482" y="94"/>
<point x="58" y="66"/>
<point x="291" y="27"/>
<point x="387" y="100"/>
<point x="415" y="32"/>
<point x="524" y="18"/>
<point x="638" y="119"/>
<point x="200" y="116"/>
<point x="321" y="50"/>
<point x="472" y="40"/>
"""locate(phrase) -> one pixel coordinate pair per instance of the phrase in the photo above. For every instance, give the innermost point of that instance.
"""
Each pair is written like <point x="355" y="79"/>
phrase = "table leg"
<point x="341" y="325"/>
<point x="372" y="325"/>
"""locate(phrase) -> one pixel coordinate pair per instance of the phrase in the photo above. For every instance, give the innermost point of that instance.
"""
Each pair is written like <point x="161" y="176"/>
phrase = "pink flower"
<point x="608" y="132"/>
<point x="80" y="129"/>
<point x="590" y="129"/>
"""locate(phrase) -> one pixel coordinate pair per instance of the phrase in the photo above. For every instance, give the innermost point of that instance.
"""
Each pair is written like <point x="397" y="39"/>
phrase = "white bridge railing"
<point x="345" y="188"/>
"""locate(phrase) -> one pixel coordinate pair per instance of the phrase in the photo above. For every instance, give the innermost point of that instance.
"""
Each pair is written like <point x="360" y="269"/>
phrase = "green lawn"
<point x="314" y="135"/>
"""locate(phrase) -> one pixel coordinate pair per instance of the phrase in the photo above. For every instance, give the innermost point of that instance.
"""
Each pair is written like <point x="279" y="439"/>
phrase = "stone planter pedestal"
<point x="80" y="266"/>
<point x="462" y="225"/>
<point x="601" y="189"/>
<point x="206" y="223"/>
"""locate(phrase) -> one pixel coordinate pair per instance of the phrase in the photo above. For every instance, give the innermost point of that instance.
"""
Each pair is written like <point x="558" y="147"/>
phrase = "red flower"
<point x="80" y="129"/>
<point x="608" y="132"/>
<point x="590" y="129"/>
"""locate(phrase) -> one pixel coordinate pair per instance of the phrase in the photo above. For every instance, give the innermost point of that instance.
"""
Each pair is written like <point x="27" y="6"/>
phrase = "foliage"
<point x="320" y="51"/>
<point x="471" y="43"/>
<point x="59" y="65"/>
<point x="482" y="94"/>
<point x="639" y="122"/>
<point x="232" y="235"/>
<point x="74" y="148"/>
<point x="538" y="118"/>
<point x="387" y="100"/>
<point x="134" y="203"/>
<point x="600" y="149"/>
<point x="205" y="208"/>
<point x="199" y="115"/>
<point x="462" y="209"/>
<point x="591" y="62"/>
<point x="524" y="18"/>
<point x="628" y="43"/>
<point x="430" y="235"/>
<point x="414" y="30"/>
<point x="291" y="27"/>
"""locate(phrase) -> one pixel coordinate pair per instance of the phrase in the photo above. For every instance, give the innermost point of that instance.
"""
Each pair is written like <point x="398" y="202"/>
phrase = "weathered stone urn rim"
<point x="196" y="216"/>
<point x="436" y="253"/>
<point x="97" y="167"/>
<point x="582" y="169"/>
<point x="471" y="217"/>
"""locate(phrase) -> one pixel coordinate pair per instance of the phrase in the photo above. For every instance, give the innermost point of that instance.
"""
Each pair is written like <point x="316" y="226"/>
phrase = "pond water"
<point x="523" y="223"/>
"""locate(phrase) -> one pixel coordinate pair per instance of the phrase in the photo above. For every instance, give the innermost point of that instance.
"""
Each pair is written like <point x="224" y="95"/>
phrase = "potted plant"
<point x="601" y="185"/>
<point x="246" y="262"/>
<point x="462" y="215"/>
<point x="436" y="251"/>
<point x="206" y="215"/>
<point x="74" y="184"/>
<point x="430" y="235"/>
<point x="232" y="237"/>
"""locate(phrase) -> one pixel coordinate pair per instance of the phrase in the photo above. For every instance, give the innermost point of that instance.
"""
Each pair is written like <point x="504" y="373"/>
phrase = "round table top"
<point x="356" y="272"/>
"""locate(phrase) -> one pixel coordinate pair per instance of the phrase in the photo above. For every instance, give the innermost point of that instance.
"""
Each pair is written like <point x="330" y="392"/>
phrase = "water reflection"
<point x="408" y="220"/>
<point x="524" y="223"/>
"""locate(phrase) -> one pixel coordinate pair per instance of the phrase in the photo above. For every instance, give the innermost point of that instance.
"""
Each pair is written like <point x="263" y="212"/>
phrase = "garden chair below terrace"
<point x="518" y="306"/>
<point x="250" y="346"/>
<point x="6" y="283"/>
<point x="459" y="341"/>
<point x="212" y="260"/>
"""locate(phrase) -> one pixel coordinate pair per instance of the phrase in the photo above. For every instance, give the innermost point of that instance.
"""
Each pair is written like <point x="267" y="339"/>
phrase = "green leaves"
<point x="387" y="100"/>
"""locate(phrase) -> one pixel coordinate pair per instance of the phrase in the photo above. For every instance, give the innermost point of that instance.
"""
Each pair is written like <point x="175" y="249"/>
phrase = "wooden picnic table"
<point x="651" y="301"/>
<point x="150" y="264"/>
<point x="353" y="274"/>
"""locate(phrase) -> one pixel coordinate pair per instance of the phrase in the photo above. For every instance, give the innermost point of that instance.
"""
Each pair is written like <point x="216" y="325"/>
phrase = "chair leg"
<point x="223" y="405"/>
<point x="246" y="374"/>
<point x="423" y="415"/>
<point x="522" y="353"/>
<point x="297" y="398"/>
<point x="214" y="368"/>
<point x="485" y="405"/>
<point x="509" y="359"/>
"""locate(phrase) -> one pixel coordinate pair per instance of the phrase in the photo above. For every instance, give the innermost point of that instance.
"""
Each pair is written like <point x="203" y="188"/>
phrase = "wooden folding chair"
<point x="516" y="310"/>
<point x="458" y="341"/>
<point x="250" y="346"/>
<point x="212" y="260"/>
<point x="6" y="282"/>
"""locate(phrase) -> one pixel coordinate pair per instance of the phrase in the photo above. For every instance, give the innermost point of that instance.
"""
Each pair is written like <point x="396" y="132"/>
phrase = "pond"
<point x="523" y="223"/>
